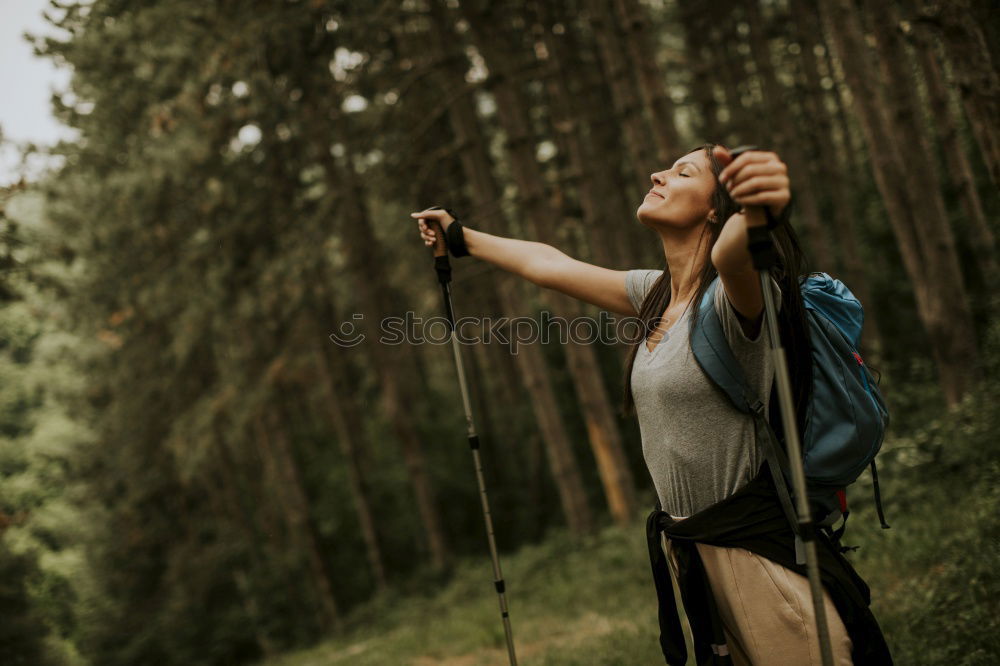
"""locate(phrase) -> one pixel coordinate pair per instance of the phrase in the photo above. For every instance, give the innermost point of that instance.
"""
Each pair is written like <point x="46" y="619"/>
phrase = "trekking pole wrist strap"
<point x="454" y="235"/>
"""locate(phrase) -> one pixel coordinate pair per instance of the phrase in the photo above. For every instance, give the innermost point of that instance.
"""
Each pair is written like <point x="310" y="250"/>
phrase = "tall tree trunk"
<point x="393" y="363"/>
<point x="615" y="190"/>
<point x="234" y="496"/>
<point x="625" y="100"/>
<point x="701" y="63"/>
<point x="652" y="84"/>
<point x="529" y="360"/>
<point x="580" y="157"/>
<point x="275" y="441"/>
<point x="250" y="606"/>
<point x="852" y="148"/>
<point x="746" y="123"/>
<point x="580" y="173"/>
<point x="940" y="296"/>
<point x="831" y="170"/>
<point x="790" y="147"/>
<point x="492" y="390"/>
<point x="975" y="71"/>
<point x="626" y="116"/>
<point x="555" y="436"/>
<point x="344" y="413"/>
<point x="959" y="169"/>
<point x="223" y="509"/>
<point x="602" y="427"/>
<point x="930" y="213"/>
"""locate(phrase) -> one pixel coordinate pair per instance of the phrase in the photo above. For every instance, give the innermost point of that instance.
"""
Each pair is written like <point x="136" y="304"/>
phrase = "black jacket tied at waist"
<point x="752" y="518"/>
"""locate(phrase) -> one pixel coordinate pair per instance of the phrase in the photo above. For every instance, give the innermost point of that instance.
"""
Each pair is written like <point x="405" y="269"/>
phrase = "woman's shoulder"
<point x="638" y="282"/>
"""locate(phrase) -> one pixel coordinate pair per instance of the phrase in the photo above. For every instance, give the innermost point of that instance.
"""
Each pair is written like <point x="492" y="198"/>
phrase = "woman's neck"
<point x="685" y="261"/>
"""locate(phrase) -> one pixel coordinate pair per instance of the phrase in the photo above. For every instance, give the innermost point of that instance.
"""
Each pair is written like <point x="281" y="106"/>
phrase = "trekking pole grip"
<point x="440" y="243"/>
<point x="441" y="264"/>
<point x="440" y="250"/>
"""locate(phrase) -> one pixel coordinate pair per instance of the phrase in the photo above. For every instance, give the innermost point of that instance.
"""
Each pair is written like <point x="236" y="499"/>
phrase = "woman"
<point x="699" y="449"/>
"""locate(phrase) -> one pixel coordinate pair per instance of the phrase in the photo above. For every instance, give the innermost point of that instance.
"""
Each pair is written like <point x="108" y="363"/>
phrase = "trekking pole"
<point x="764" y="256"/>
<point x="443" y="268"/>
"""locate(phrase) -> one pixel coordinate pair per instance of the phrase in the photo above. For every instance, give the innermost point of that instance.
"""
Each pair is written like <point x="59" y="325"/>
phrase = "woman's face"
<point x="680" y="197"/>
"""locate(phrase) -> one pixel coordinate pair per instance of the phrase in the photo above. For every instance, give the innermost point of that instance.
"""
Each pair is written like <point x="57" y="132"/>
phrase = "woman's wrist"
<point x="472" y="237"/>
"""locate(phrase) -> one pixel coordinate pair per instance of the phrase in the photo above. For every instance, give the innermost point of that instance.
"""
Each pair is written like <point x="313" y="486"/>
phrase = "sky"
<point x="27" y="83"/>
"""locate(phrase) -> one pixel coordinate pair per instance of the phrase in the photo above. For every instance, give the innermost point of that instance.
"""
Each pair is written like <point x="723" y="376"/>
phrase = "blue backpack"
<point x="846" y="418"/>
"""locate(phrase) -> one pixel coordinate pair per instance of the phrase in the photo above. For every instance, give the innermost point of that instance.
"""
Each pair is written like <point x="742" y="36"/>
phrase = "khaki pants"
<point x="766" y="609"/>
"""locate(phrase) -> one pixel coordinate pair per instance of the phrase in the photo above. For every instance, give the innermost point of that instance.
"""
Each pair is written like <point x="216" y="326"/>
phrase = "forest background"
<point x="193" y="471"/>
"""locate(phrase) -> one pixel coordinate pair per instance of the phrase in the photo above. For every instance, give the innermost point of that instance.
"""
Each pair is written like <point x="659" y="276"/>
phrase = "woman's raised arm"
<point x="541" y="264"/>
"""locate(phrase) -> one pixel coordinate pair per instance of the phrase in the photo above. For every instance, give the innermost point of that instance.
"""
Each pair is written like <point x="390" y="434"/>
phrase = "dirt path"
<point x="589" y="626"/>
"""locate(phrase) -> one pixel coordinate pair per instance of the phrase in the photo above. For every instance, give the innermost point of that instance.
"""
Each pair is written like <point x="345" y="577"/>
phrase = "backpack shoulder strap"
<point x="711" y="351"/>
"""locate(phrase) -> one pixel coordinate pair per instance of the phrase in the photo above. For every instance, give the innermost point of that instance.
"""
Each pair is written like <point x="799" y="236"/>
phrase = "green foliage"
<point x="22" y="632"/>
<point x="39" y="526"/>
<point x="933" y="574"/>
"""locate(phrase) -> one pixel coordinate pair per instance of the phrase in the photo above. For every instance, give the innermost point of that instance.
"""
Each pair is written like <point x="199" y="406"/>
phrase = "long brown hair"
<point x="789" y="271"/>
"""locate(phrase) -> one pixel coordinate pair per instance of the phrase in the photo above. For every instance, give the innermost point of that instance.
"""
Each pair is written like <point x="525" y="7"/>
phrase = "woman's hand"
<point x="755" y="178"/>
<point x="426" y="230"/>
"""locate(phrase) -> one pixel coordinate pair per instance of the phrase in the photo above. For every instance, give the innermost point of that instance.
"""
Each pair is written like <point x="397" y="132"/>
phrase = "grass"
<point x="568" y="602"/>
<point x="933" y="575"/>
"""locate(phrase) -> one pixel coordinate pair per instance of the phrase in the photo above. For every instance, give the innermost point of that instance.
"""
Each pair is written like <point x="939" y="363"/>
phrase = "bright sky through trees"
<point x="27" y="82"/>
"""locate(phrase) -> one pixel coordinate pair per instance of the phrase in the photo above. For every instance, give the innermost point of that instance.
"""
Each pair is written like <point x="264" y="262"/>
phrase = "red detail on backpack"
<point x="858" y="357"/>
<point x="842" y="498"/>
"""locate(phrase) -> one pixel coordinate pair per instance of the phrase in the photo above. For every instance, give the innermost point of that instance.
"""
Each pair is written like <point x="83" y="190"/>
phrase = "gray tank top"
<point x="699" y="448"/>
